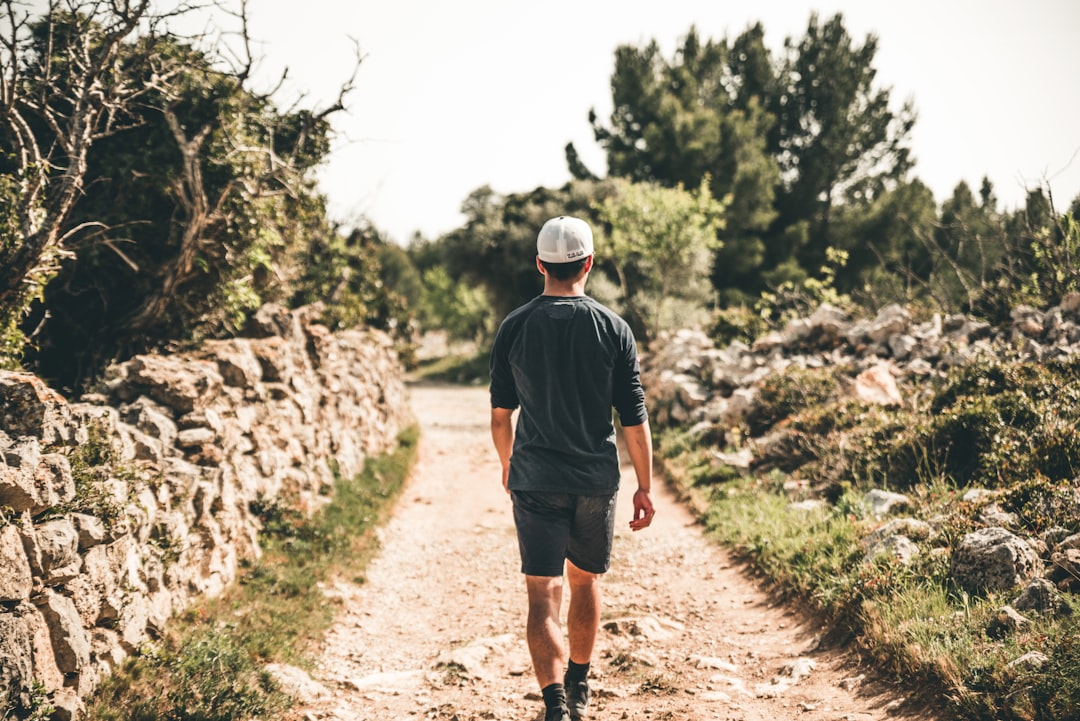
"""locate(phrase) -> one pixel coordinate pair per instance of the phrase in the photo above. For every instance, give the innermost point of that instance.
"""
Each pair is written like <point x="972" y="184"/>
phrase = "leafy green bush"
<point x="737" y="322"/>
<point x="994" y="424"/>
<point x="783" y="395"/>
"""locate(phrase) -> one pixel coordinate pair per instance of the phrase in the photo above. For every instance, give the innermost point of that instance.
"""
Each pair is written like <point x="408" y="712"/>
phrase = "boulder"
<point x="876" y="385"/>
<point x="1041" y="596"/>
<point x="1030" y="661"/>
<point x="902" y="548"/>
<point x="881" y="503"/>
<point x="993" y="559"/>
<point x="57" y="542"/>
<point x="90" y="529"/>
<point x="151" y="419"/>
<point x="1065" y="568"/>
<point x="890" y="320"/>
<point x="912" y="528"/>
<point x="1007" y="621"/>
<point x="236" y="362"/>
<point x="19" y="459"/>
<point x="178" y="384"/>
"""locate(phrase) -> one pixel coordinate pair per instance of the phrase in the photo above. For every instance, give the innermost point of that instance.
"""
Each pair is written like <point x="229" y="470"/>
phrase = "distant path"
<point x="437" y="630"/>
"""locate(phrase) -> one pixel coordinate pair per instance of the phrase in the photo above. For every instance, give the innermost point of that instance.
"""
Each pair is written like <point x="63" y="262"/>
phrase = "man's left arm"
<point x="639" y="447"/>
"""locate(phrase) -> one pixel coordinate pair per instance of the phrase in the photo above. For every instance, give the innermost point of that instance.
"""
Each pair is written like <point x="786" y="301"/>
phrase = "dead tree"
<point x="64" y="85"/>
<point x="60" y="91"/>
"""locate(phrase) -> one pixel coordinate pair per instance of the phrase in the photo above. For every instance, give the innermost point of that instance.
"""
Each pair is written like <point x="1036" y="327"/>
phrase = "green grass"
<point x="998" y="425"/>
<point x="919" y="630"/>
<point x="209" y="667"/>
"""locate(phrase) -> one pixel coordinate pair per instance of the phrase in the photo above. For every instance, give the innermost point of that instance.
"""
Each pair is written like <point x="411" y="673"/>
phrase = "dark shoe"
<point x="577" y="699"/>
<point x="559" y="713"/>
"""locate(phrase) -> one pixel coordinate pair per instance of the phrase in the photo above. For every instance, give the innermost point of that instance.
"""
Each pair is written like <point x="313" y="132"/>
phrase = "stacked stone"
<point x="198" y="438"/>
<point x="691" y="380"/>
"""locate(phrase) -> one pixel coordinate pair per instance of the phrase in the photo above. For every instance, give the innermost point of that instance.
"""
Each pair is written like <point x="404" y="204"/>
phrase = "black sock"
<point x="576" y="672"/>
<point x="554" y="695"/>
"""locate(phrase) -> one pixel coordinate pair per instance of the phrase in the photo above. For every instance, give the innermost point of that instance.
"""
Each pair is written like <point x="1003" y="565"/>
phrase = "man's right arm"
<point x="502" y="435"/>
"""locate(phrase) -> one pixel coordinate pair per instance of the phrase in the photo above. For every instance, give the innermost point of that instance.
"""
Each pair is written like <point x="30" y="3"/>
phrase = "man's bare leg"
<point x="583" y="617"/>
<point x="543" y="631"/>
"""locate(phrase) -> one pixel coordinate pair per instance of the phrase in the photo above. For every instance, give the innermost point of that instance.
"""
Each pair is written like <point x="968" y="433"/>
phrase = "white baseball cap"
<point x="564" y="240"/>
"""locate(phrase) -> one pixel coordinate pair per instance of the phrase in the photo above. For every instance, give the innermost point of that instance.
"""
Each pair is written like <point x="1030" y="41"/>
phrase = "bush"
<point x="784" y="395"/>
<point x="737" y="323"/>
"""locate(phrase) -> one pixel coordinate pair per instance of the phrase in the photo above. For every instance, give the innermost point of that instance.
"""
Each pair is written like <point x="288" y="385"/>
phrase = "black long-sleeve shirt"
<point x="566" y="361"/>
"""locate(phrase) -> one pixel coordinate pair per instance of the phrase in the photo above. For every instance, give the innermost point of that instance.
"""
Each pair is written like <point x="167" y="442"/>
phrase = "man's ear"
<point x="589" y="263"/>
<point x="540" y="266"/>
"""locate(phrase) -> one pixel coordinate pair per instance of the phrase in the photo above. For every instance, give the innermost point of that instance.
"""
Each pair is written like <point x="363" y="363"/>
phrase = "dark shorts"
<point x="553" y="527"/>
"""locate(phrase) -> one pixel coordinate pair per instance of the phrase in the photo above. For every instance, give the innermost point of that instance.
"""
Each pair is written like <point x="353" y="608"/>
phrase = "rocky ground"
<point x="436" y="629"/>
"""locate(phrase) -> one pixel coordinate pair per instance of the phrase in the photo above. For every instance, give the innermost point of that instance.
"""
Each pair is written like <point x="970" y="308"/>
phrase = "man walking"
<point x="565" y="361"/>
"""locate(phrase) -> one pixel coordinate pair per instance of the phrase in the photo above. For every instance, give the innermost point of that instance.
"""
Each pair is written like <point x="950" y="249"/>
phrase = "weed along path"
<point x="436" y="629"/>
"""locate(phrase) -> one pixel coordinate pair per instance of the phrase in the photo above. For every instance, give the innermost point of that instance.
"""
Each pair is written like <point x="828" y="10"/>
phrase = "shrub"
<point x="784" y="395"/>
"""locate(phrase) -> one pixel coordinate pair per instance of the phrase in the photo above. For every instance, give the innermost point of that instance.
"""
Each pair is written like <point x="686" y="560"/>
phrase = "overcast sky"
<point x="454" y="95"/>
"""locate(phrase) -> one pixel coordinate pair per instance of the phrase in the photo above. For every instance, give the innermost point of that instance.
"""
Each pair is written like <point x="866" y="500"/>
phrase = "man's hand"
<point x="643" y="510"/>
<point x="506" y="478"/>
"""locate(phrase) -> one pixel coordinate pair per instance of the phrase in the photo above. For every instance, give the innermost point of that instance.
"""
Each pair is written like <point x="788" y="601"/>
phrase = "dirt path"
<point x="437" y="629"/>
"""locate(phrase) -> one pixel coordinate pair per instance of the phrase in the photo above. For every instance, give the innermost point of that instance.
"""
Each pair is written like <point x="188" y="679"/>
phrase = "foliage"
<point x="998" y="424"/>
<point x="95" y="462"/>
<point x="736" y="323"/>
<point x="794" y="141"/>
<point x="463" y="368"/>
<point x="658" y="244"/>
<point x="889" y="254"/>
<point x="459" y="309"/>
<point x="1056" y="252"/>
<point x="188" y="203"/>
<point x="189" y="228"/>
<point x="34" y="707"/>
<point x="496" y="248"/>
<point x="782" y="396"/>
<point x="210" y="666"/>
<point x="62" y="93"/>
<point x="346" y="276"/>
<point x="12" y="338"/>
<point x="794" y="299"/>
<point x="1042" y="504"/>
<point x="701" y="114"/>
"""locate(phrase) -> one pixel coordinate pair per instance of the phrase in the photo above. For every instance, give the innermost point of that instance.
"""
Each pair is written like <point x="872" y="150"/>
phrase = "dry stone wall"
<point x="118" y="510"/>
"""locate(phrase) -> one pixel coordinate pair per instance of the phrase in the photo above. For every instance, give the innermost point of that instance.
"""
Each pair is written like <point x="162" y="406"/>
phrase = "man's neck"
<point x="563" y="290"/>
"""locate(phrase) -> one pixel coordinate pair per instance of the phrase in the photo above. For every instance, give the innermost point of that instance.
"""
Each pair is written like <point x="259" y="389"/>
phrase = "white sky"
<point x="455" y="94"/>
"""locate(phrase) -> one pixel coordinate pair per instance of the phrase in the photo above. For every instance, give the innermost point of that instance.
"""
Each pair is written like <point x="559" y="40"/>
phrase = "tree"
<point x="61" y="90"/>
<point x="659" y="241"/>
<point x="969" y="245"/>
<point x="887" y="241"/>
<point x="839" y="141"/>
<point x="786" y="142"/>
<point x="496" y="248"/>
<point x="196" y="209"/>
<point x="703" y="113"/>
